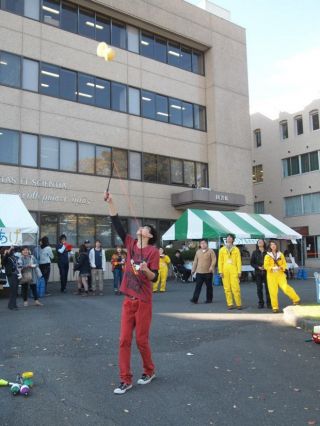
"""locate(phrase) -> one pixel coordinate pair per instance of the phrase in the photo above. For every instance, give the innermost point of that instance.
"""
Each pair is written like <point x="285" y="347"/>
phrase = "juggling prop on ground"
<point x="316" y="334"/>
<point x="22" y="385"/>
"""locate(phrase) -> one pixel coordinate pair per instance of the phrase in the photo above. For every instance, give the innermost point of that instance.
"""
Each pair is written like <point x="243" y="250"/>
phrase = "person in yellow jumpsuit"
<point x="163" y="272"/>
<point x="275" y="264"/>
<point x="229" y="268"/>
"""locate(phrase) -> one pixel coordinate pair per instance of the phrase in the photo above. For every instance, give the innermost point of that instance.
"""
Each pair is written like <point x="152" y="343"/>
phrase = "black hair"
<point x="44" y="242"/>
<point x="177" y="251"/>
<point x="154" y="234"/>
<point x="232" y="236"/>
<point x="24" y="247"/>
<point x="204" y="239"/>
<point x="264" y="244"/>
<point x="163" y="249"/>
<point x="82" y="249"/>
<point x="62" y="236"/>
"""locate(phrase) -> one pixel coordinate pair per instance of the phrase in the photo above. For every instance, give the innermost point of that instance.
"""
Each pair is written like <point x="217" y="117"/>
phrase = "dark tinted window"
<point x="175" y="111"/>
<point x="163" y="169"/>
<point x="51" y="12"/>
<point x="176" y="171"/>
<point x="103" y="28"/>
<point x="149" y="167"/>
<point x="49" y="80"/>
<point x="162" y="108"/>
<point x="86" y="89"/>
<point x="173" y="54"/>
<point x="199" y="117"/>
<point x="160" y="49"/>
<point x="118" y="35"/>
<point x="147" y="45"/>
<point x="119" y="97"/>
<point x="185" y="58"/>
<point x="189" y="172"/>
<point x="148" y="104"/>
<point x="15" y="6"/>
<point x="102" y="93"/>
<point x="86" y="23"/>
<point x="68" y="85"/>
<point x="197" y="63"/>
<point x="69" y="17"/>
<point x="9" y="146"/>
<point x="10" y="69"/>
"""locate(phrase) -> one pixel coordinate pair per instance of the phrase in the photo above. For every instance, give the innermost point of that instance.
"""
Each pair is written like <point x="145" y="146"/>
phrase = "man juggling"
<point x="141" y="270"/>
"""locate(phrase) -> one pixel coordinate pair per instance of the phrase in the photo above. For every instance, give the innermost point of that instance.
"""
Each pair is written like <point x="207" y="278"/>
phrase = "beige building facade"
<point x="285" y="172"/>
<point x="168" y="115"/>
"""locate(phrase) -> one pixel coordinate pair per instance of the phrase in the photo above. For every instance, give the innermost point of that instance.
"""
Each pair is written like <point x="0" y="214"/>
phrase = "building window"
<point x="68" y="156"/>
<point x="187" y="114"/>
<point x="29" y="150"/>
<point x="133" y="39"/>
<point x="15" y="6"/>
<point x="120" y="158"/>
<point x="30" y="75"/>
<point x="103" y="161"/>
<point x="163" y="170"/>
<point x="69" y="17"/>
<point x="118" y="97"/>
<point x="10" y="69"/>
<point x="257" y="173"/>
<point x="68" y="226"/>
<point x="148" y="104"/>
<point x="134" y="101"/>
<point x="102" y="93"/>
<point x="51" y="12"/>
<point x="49" y="226"/>
<point x="291" y="166"/>
<point x="189" y="173"/>
<point x="160" y="49"/>
<point x="86" y="160"/>
<point x="298" y="125"/>
<point x="309" y="162"/>
<point x="134" y="165"/>
<point x="86" y="86"/>
<point x="49" y="80"/>
<point x="162" y="113"/>
<point x="284" y="130"/>
<point x="293" y="206"/>
<point x="68" y="85"/>
<point x="103" y="230"/>
<point x="199" y="117"/>
<point x="174" y="54"/>
<point x="259" y="207"/>
<point x="186" y="58"/>
<point x="32" y="9"/>
<point x="118" y="34"/>
<point x="312" y="246"/>
<point x="314" y="118"/>
<point x="103" y="29"/>
<point x="147" y="45"/>
<point x="149" y="167"/>
<point x="86" y="228"/>
<point x="87" y="23"/>
<point x="176" y="171"/>
<point x="257" y="137"/>
<point x="9" y="146"/>
<point x="49" y="153"/>
<point x="202" y="175"/>
<point x="175" y="111"/>
<point x="198" y="63"/>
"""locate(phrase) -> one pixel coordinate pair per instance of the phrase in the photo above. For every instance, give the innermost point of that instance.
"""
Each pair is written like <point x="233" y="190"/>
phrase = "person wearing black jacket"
<point x="178" y="262"/>
<point x="83" y="266"/>
<point x="9" y="262"/>
<point x="257" y="259"/>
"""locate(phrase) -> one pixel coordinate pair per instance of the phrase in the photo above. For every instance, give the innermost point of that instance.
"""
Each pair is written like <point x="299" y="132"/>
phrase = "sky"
<point x="283" y="49"/>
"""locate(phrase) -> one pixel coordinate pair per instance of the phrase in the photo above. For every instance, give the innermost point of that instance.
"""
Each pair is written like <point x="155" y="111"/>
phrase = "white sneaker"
<point x="145" y="379"/>
<point x="122" y="388"/>
<point x="25" y="304"/>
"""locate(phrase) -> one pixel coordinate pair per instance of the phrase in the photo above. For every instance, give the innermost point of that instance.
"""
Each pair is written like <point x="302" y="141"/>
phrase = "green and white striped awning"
<point x="196" y="224"/>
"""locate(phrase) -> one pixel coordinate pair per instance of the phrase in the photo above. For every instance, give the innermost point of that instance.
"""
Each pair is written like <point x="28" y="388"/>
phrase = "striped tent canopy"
<point x="196" y="224"/>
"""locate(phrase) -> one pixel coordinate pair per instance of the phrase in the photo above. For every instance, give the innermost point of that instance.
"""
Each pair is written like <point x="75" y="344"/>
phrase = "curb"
<point x="290" y="317"/>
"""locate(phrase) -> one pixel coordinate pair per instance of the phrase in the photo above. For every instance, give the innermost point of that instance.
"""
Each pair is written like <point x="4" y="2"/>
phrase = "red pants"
<point x="135" y="315"/>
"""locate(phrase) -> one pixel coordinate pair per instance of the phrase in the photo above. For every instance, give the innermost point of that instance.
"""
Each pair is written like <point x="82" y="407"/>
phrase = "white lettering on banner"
<point x="222" y="197"/>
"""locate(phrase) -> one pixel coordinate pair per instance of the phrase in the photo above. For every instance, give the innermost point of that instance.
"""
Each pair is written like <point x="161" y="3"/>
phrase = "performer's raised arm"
<point x="114" y="216"/>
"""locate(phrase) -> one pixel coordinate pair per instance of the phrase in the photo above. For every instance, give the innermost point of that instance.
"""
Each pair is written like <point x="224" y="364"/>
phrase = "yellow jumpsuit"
<point x="163" y="273"/>
<point x="229" y="264"/>
<point x="277" y="278"/>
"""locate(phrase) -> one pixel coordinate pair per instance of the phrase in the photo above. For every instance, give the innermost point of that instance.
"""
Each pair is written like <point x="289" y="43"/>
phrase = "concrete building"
<point x="286" y="173"/>
<point x="170" y="112"/>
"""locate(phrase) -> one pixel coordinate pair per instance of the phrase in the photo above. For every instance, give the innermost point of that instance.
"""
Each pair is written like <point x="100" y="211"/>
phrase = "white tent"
<point x="17" y="226"/>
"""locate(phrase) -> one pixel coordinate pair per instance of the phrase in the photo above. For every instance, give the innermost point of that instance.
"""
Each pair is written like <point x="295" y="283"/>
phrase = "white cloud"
<point x="290" y="84"/>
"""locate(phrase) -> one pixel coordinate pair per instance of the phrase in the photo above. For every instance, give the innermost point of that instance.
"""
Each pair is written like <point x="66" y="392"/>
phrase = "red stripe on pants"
<point x="135" y="315"/>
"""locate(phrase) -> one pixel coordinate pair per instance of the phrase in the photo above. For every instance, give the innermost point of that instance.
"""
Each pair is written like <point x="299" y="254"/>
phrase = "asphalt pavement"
<point x="214" y="367"/>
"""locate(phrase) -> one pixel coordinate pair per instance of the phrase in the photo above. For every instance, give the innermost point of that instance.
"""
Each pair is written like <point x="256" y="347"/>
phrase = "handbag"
<point x="26" y="276"/>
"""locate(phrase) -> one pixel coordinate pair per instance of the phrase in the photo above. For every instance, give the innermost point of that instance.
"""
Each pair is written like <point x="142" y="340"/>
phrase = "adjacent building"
<point x="285" y="172"/>
<point x="170" y="112"/>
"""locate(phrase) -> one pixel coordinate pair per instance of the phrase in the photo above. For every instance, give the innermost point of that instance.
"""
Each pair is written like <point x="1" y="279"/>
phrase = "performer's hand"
<point x="107" y="197"/>
<point x="144" y="267"/>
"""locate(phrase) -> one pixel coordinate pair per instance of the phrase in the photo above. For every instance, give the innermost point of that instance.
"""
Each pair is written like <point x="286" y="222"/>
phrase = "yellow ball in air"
<point x="110" y="54"/>
<point x="102" y="49"/>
